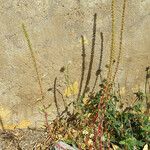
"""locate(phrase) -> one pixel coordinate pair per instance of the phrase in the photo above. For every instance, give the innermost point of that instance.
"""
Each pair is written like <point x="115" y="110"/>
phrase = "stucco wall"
<point x="55" y="27"/>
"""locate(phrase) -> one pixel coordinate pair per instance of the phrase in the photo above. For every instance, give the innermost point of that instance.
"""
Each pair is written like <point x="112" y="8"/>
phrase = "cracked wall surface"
<point x="55" y="28"/>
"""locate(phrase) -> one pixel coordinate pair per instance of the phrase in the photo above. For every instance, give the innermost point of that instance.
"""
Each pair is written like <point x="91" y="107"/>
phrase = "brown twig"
<point x="65" y="105"/>
<point x="55" y="97"/>
<point x="64" y="101"/>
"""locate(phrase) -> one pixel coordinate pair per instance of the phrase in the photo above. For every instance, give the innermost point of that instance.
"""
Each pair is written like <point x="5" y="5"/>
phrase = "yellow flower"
<point x="71" y="89"/>
<point x="85" y="132"/>
<point x="91" y="135"/>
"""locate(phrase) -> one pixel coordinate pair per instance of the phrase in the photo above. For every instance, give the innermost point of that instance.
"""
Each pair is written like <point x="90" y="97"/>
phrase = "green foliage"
<point x="128" y="128"/>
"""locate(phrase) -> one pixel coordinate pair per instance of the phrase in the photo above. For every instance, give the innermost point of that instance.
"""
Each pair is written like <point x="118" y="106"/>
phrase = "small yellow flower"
<point x="85" y="132"/>
<point x="71" y="89"/>
<point x="91" y="135"/>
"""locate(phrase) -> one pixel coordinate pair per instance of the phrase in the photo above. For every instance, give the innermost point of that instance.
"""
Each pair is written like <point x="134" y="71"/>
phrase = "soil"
<point x="18" y="139"/>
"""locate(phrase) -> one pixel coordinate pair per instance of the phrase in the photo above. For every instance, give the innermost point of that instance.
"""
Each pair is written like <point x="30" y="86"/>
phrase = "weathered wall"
<point x="55" y="27"/>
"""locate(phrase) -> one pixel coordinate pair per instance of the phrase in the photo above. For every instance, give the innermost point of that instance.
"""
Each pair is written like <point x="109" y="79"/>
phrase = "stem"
<point x="98" y="73"/>
<point x="121" y="38"/>
<point x="55" y="97"/>
<point x="92" y="56"/>
<point x="83" y="67"/>
<point x="34" y="61"/>
<point x="112" y="51"/>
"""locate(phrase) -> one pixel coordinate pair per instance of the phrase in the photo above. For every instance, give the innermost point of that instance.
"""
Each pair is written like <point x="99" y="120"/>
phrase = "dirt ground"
<point x="27" y="139"/>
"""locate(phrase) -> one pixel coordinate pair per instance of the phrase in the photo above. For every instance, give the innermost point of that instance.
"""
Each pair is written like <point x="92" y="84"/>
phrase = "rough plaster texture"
<point x="55" y="27"/>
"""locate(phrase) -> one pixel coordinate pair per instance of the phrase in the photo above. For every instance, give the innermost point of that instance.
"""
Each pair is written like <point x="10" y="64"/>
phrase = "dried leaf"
<point x="145" y="147"/>
<point x="115" y="147"/>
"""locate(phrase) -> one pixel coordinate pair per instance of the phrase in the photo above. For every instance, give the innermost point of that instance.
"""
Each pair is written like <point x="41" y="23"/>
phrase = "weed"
<point x="127" y="128"/>
<point x="37" y="74"/>
<point x="112" y="49"/>
<point x="121" y="38"/>
<point x="34" y="61"/>
<point x="99" y="70"/>
<point x="83" y="67"/>
<point x="96" y="122"/>
<point x="91" y="57"/>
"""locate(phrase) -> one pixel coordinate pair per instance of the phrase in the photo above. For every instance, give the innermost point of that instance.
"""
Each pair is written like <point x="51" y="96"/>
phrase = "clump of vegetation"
<point x="96" y="121"/>
<point x="128" y="128"/>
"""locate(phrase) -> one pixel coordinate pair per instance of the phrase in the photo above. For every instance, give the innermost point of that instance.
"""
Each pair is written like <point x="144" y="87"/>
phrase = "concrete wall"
<point x="55" y="27"/>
